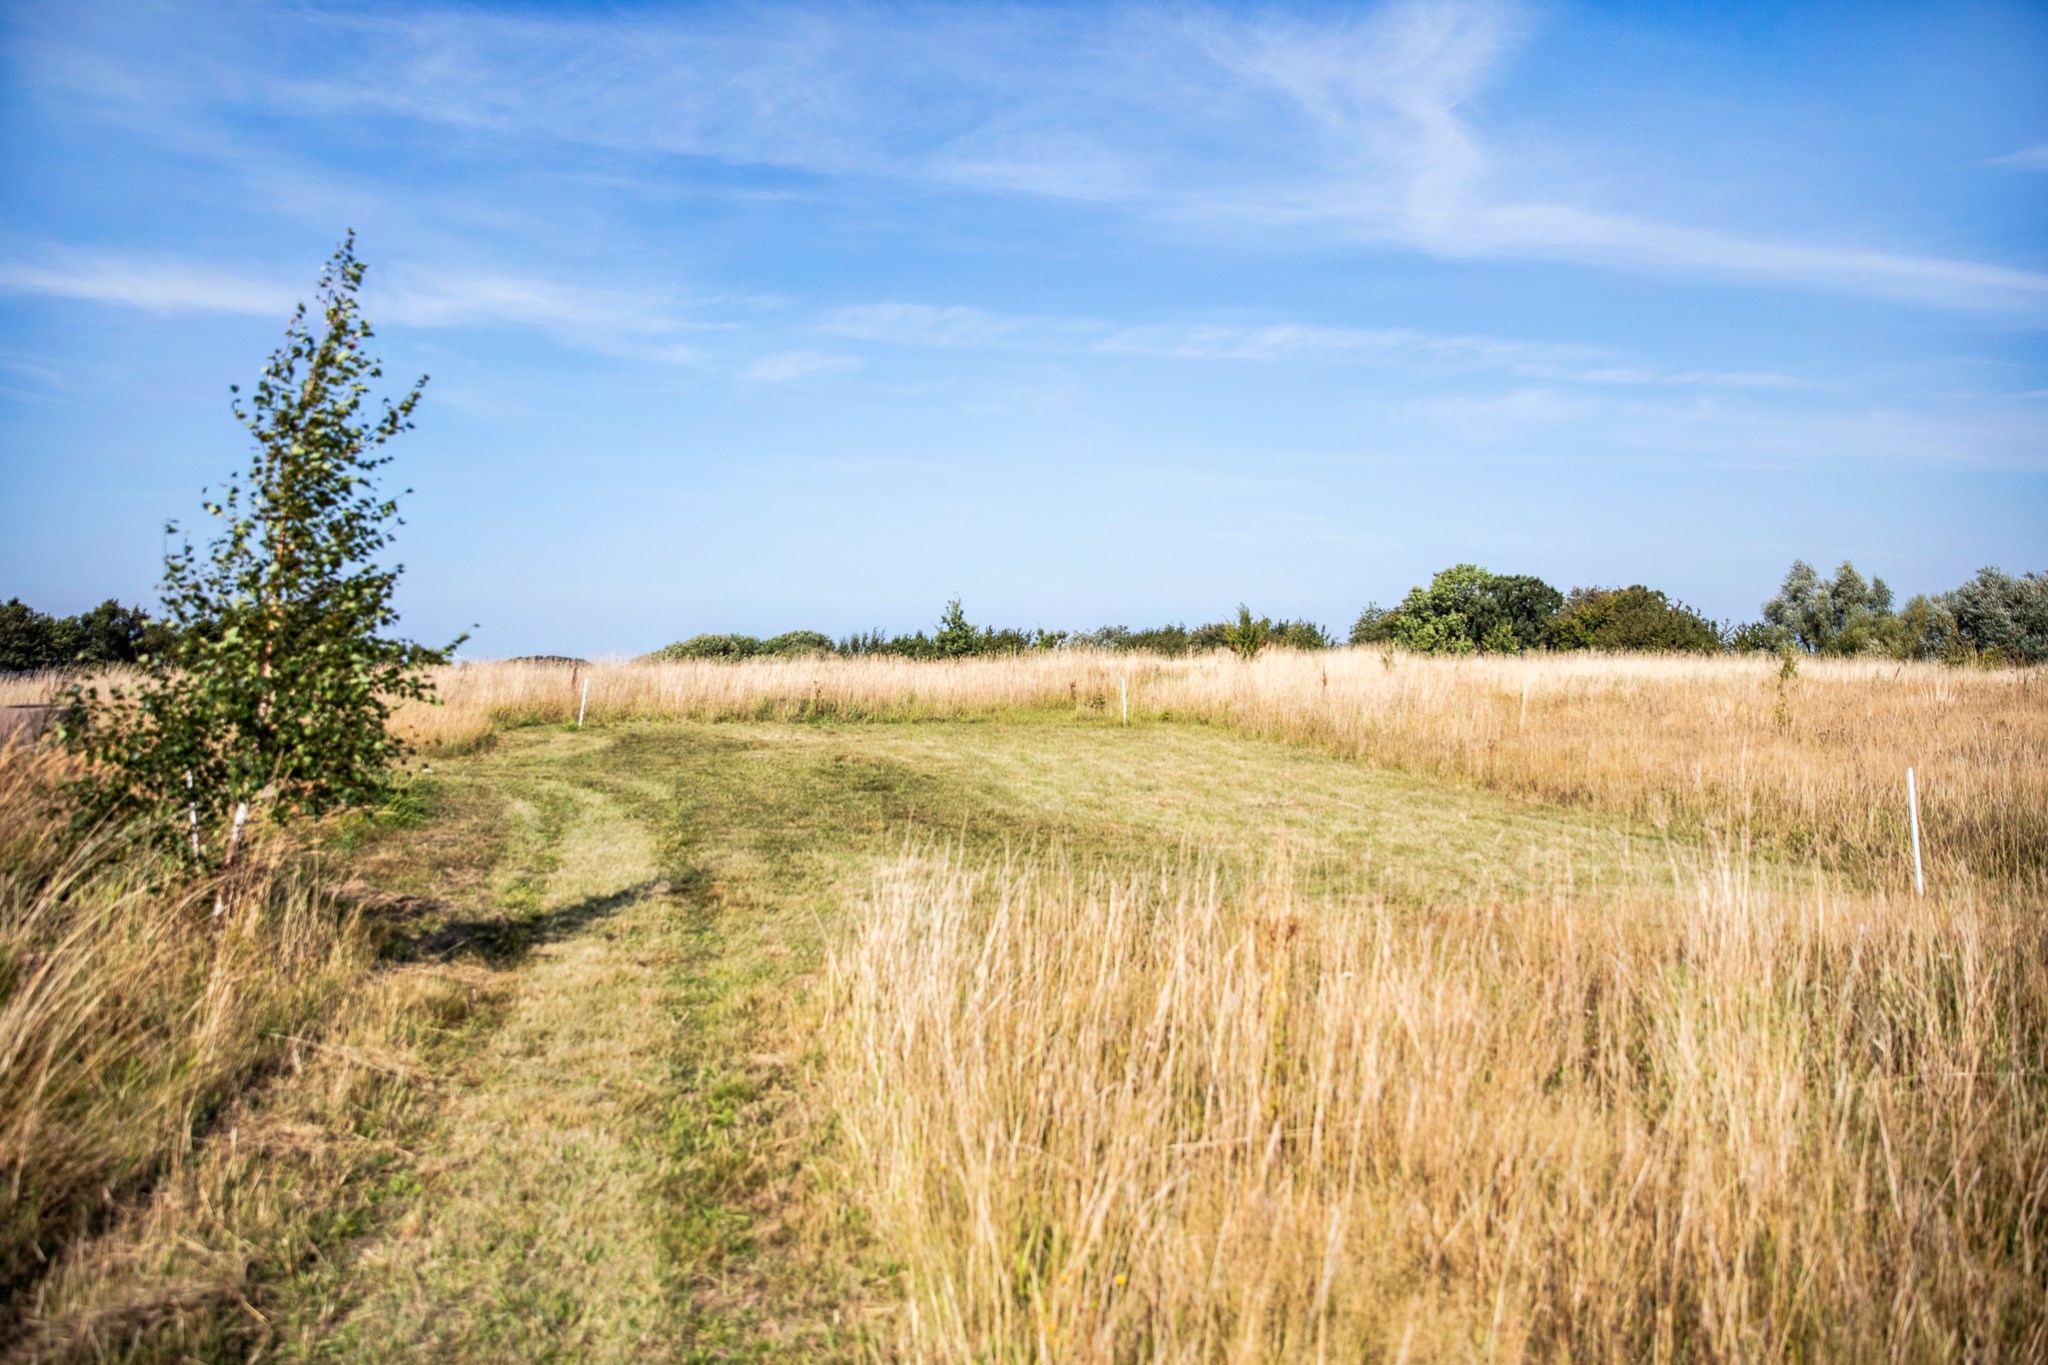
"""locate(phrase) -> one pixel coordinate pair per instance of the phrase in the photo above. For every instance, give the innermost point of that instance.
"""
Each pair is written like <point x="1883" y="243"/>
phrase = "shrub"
<point x="1994" y="617"/>
<point x="1760" y="637"/>
<point x="863" y="642"/>
<point x="1376" y="625"/>
<point x="710" y="647"/>
<point x="1300" y="635"/>
<point x="1172" y="641"/>
<point x="1104" y="637"/>
<point x="957" y="637"/>
<point x="1466" y="608"/>
<point x="1845" y="615"/>
<point x="1634" y="617"/>
<point x="1249" y="634"/>
<point x="801" y="643"/>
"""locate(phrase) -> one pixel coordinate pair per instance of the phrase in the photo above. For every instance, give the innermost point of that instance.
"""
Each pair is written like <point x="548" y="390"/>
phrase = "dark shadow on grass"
<point x="422" y="930"/>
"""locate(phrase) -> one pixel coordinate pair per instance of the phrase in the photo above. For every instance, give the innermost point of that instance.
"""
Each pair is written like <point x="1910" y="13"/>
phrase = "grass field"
<point x="1337" y="1007"/>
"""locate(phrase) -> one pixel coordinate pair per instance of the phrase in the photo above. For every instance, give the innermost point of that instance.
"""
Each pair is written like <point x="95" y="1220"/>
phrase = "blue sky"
<point x="758" y="317"/>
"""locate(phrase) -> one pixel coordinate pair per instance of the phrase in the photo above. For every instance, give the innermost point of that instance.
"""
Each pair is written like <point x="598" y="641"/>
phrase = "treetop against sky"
<point x="762" y="317"/>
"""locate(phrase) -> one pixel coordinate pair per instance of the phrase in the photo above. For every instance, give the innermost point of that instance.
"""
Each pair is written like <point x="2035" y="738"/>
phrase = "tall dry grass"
<point x="33" y="689"/>
<point x="1167" y="1118"/>
<point x="125" y="1018"/>
<point x="1812" y="765"/>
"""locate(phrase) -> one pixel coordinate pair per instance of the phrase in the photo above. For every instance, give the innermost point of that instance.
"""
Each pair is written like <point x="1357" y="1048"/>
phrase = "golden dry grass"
<point x="126" y="1019"/>
<point x="31" y="689"/>
<point x="1738" y="1096"/>
<point x="1812" y="765"/>
<point x="1112" y="1117"/>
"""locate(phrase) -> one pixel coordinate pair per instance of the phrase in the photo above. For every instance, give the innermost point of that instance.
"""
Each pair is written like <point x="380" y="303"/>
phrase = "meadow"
<point x="1808" y="759"/>
<point x="1070" y="1006"/>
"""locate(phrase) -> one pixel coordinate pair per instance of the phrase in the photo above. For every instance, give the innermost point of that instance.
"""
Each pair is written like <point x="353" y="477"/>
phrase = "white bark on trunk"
<point x="227" y="865"/>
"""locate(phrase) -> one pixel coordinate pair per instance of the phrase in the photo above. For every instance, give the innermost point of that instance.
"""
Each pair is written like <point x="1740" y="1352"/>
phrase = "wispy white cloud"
<point x="35" y="368"/>
<point x="2027" y="158"/>
<point x="155" y="284"/>
<point x="1716" y="428"/>
<point x="1357" y="125"/>
<point x="919" y="324"/>
<point x="784" y="366"/>
<point x="907" y="324"/>
<point x="413" y="296"/>
<point x="432" y="298"/>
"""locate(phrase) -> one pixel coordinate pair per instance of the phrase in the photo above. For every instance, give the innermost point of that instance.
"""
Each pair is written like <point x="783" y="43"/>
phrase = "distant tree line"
<point x="1993" y="618"/>
<point x="1996" y="617"/>
<point x="108" y="634"/>
<point x="958" y="638"/>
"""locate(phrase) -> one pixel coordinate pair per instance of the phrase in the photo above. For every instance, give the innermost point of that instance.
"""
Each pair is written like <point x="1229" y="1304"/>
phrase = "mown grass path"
<point x="586" y="1133"/>
<point x="537" y="1230"/>
<point x="624" y="1168"/>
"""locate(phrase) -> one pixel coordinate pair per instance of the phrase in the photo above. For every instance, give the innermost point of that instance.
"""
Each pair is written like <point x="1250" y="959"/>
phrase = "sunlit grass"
<point x="1173" y="1116"/>
<point x="1811" y="765"/>
<point x="1336" y="1004"/>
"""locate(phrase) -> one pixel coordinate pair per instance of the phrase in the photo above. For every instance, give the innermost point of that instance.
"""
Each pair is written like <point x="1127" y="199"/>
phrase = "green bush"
<point x="1248" y="635"/>
<point x="709" y="647"/>
<point x="956" y="638"/>
<point x="1465" y="608"/>
<point x="797" y="643"/>
<point x="1172" y="640"/>
<point x="1840" y="616"/>
<point x="1300" y="635"/>
<point x="1628" y="618"/>
<point x="1376" y="625"/>
<point x="1993" y="618"/>
<point x="801" y="643"/>
<point x="1760" y="637"/>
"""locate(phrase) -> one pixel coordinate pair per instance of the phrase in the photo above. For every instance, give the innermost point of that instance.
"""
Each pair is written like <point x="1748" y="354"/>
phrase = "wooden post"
<point x="1913" y="813"/>
<point x="581" y="704"/>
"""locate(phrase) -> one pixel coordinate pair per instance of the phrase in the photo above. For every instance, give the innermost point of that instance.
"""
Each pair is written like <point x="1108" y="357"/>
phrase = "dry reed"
<point x="1159" y="1118"/>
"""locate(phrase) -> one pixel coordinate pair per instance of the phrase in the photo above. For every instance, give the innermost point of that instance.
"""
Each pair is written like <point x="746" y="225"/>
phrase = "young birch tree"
<point x="273" y="702"/>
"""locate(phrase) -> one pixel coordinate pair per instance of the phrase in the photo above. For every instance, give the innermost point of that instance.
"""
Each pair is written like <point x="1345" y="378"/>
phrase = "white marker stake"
<point x="1123" y="692"/>
<point x="1913" y="810"/>
<point x="581" y="704"/>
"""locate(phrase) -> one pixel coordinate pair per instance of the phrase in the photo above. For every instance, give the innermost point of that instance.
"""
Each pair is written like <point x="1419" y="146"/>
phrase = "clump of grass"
<point x="125" y="1021"/>
<point x="38" y="686"/>
<point x="1172" y="1118"/>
